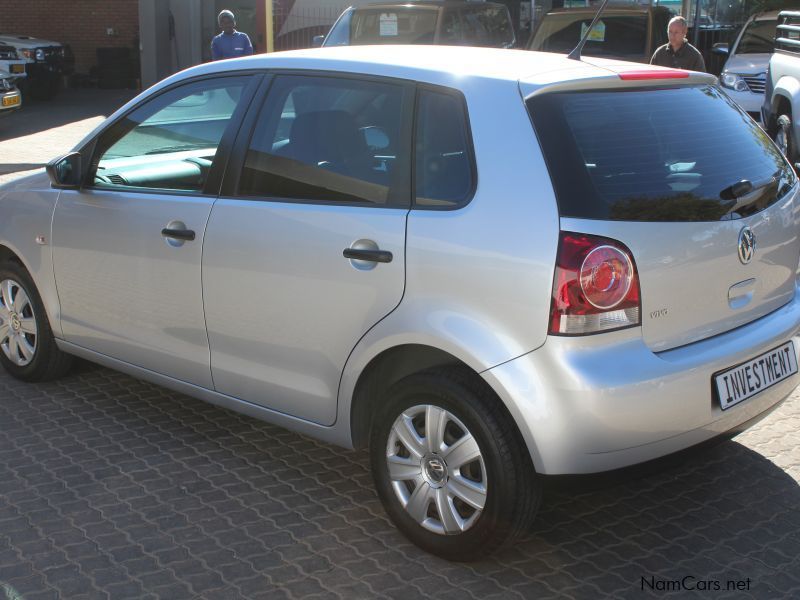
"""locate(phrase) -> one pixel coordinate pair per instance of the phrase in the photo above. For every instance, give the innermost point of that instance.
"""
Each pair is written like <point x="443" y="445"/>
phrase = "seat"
<point x="329" y="139"/>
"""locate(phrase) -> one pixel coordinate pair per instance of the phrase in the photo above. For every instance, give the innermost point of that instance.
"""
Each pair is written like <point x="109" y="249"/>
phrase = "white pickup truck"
<point x="46" y="63"/>
<point x="781" y="110"/>
<point x="10" y="62"/>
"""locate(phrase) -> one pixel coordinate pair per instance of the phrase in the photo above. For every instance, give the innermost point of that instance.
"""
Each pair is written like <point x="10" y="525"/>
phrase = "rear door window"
<point x="657" y="155"/>
<point x="330" y="139"/>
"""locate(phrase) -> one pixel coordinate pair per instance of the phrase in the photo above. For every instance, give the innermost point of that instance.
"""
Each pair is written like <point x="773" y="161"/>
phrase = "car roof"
<point x="425" y="63"/>
<point x="611" y="10"/>
<point x="429" y="3"/>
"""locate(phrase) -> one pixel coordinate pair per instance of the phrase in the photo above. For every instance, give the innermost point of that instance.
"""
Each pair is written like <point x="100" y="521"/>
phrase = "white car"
<point x="744" y="75"/>
<point x="487" y="266"/>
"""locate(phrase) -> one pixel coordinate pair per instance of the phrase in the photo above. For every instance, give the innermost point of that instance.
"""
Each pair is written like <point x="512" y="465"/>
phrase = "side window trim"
<point x="425" y="87"/>
<point x="236" y="162"/>
<point x="212" y="184"/>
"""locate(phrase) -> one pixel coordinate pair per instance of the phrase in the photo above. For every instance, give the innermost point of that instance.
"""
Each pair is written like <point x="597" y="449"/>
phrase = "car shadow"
<point x="138" y="467"/>
<point x="708" y="523"/>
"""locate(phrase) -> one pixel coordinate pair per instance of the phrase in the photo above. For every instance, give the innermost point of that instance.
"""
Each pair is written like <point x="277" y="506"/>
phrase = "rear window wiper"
<point x="745" y="187"/>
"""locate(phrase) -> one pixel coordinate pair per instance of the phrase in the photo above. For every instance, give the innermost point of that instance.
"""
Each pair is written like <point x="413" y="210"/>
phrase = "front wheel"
<point x="28" y="350"/>
<point x="450" y="467"/>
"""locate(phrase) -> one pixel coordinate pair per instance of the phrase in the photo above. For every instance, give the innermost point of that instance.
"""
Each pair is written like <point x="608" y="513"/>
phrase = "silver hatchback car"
<point x="484" y="265"/>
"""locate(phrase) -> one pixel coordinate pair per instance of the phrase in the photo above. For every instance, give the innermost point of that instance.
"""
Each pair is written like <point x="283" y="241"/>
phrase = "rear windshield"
<point x="674" y="154"/>
<point x="392" y="26"/>
<point x="477" y="26"/>
<point x="624" y="35"/>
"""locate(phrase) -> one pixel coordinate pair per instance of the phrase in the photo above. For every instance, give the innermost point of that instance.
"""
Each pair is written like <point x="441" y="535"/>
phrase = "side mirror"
<point x="720" y="48"/>
<point x="65" y="172"/>
<point x="316" y="41"/>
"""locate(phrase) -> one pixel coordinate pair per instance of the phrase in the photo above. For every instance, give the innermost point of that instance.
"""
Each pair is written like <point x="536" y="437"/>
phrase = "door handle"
<point x="178" y="234"/>
<point x="381" y="256"/>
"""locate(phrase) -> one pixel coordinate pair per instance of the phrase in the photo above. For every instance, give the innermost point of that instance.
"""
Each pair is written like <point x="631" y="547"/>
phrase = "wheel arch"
<point x="393" y="364"/>
<point x="10" y="253"/>
<point x="7" y="253"/>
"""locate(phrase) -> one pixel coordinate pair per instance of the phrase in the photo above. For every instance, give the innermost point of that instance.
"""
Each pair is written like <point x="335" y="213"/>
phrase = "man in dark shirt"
<point x="678" y="53"/>
<point x="230" y="43"/>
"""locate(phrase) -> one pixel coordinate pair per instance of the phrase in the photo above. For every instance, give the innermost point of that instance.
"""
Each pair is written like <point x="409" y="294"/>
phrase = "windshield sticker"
<point x="598" y="32"/>
<point x="388" y="24"/>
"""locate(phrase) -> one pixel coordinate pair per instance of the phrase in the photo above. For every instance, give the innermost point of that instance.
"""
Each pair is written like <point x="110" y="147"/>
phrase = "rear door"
<point x="304" y="251"/>
<point x="696" y="190"/>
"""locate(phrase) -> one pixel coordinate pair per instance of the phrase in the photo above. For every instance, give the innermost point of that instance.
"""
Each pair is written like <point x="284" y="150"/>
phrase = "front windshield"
<point x="758" y="38"/>
<point x="613" y="35"/>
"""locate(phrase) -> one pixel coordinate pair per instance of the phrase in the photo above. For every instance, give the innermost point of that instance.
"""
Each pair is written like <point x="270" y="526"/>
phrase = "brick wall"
<point x="82" y="24"/>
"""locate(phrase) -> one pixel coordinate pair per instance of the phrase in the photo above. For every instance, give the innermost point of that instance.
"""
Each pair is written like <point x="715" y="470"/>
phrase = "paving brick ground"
<point x="114" y="488"/>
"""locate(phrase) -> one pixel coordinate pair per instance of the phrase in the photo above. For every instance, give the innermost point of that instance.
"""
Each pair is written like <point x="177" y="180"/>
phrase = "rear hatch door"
<point x="694" y="187"/>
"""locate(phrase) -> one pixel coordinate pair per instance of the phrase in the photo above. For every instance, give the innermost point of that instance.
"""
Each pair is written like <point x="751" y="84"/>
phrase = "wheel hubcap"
<point x="18" y="329"/>
<point x="436" y="469"/>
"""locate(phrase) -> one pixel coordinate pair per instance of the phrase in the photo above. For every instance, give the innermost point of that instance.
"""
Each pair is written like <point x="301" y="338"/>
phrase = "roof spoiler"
<point x="576" y="53"/>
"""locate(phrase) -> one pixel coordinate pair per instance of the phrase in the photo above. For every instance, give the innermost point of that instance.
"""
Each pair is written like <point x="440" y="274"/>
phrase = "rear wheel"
<point x="28" y="350"/>
<point x="450" y="467"/>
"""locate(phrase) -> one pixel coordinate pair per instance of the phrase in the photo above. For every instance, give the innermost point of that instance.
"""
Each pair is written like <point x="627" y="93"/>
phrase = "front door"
<point x="127" y="248"/>
<point x="306" y="250"/>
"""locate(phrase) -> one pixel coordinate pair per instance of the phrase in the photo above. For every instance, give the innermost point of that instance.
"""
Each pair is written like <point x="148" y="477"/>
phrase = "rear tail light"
<point x="595" y="288"/>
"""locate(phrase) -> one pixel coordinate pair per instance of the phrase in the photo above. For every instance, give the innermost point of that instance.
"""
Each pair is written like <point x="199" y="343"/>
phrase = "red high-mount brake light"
<point x="595" y="288"/>
<point x="654" y="74"/>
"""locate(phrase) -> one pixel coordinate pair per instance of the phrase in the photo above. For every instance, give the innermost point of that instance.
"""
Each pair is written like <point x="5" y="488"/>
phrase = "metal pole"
<point x="269" y="33"/>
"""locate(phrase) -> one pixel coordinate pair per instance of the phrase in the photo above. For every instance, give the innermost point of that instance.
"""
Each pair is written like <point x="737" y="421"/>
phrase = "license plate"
<point x="739" y="383"/>
<point x="10" y="100"/>
<point x="17" y="68"/>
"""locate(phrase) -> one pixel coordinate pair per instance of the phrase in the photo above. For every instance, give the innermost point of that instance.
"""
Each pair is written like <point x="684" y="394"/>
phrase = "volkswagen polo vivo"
<point x="484" y="265"/>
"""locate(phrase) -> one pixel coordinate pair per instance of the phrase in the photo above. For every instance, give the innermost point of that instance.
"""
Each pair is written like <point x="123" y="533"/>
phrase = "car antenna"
<point x="576" y="53"/>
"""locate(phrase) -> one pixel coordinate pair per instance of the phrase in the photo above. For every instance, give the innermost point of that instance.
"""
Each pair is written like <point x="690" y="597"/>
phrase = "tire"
<point x="28" y="349"/>
<point x="783" y="138"/>
<point x="461" y="505"/>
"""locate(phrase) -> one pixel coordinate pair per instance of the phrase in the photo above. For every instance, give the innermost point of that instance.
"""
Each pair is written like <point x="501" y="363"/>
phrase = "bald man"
<point x="678" y="53"/>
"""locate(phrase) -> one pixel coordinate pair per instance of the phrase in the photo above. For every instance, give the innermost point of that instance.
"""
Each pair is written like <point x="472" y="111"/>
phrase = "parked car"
<point x="10" y="98"/>
<point x="46" y="63"/>
<point x="449" y="22"/>
<point x="10" y="62"/>
<point x="625" y="32"/>
<point x="744" y="75"/>
<point x="485" y="265"/>
<point x="781" y="107"/>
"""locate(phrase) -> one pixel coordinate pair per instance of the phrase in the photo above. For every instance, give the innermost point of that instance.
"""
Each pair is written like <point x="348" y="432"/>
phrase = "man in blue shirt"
<point x="230" y="43"/>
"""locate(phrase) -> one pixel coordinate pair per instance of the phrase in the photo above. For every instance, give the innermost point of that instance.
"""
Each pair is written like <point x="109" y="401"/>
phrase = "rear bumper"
<point x="598" y="403"/>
